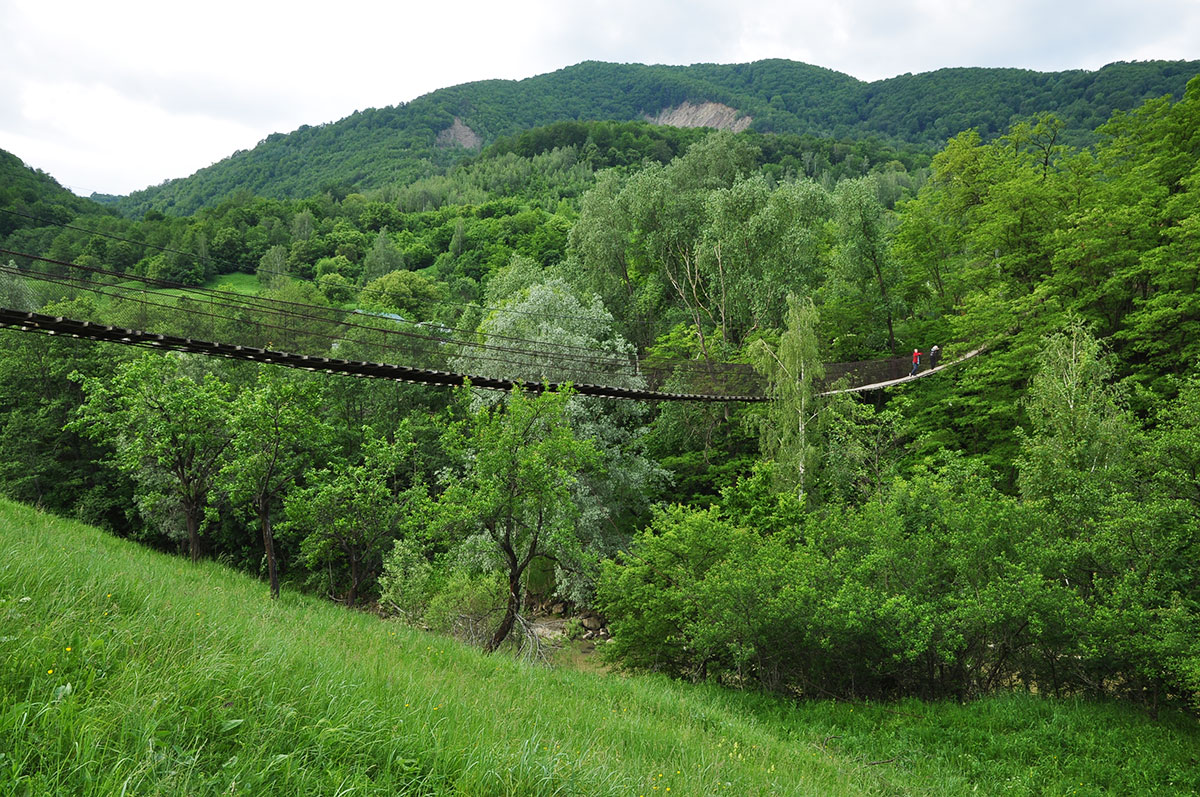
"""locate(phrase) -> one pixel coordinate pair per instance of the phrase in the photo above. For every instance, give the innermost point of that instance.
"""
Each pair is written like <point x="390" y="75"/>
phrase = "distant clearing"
<point x="459" y="135"/>
<point x="705" y="114"/>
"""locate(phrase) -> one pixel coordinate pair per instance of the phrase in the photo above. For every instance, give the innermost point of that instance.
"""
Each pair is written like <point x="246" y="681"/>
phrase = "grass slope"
<point x="123" y="671"/>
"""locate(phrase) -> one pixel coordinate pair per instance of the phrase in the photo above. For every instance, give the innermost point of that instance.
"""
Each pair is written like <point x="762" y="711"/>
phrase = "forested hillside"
<point x="29" y="195"/>
<point x="1025" y="518"/>
<point x="374" y="148"/>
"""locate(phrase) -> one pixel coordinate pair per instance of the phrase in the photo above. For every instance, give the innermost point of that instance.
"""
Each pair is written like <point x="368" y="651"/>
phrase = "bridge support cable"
<point x="906" y="378"/>
<point x="75" y="328"/>
<point x="298" y="322"/>
<point x="70" y="327"/>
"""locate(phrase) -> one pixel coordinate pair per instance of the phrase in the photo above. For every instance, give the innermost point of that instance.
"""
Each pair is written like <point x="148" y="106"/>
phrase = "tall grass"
<point x="123" y="671"/>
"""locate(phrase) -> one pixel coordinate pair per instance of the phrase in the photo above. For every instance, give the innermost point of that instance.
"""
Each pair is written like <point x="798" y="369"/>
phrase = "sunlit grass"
<point x="235" y="282"/>
<point x="122" y="670"/>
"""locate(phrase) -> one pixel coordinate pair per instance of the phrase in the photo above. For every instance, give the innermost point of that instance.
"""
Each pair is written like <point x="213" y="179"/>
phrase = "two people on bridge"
<point x="934" y="354"/>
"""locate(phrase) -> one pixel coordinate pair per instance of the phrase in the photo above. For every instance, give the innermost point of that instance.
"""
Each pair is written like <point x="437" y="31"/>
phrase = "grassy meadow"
<point x="124" y="671"/>
<point x="235" y="282"/>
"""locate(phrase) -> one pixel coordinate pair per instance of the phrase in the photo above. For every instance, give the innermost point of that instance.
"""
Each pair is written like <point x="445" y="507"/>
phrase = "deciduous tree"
<point x="518" y="463"/>
<point x="351" y="514"/>
<point x="793" y="370"/>
<point x="168" y="427"/>
<point x="278" y="433"/>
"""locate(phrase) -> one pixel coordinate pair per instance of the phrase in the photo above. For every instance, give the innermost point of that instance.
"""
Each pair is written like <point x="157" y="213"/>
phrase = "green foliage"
<point x="408" y="581"/>
<point x="861" y="448"/>
<point x="465" y="605"/>
<point x="940" y="584"/>
<point x="1023" y="518"/>
<point x="517" y="465"/>
<point x="650" y="594"/>
<point x="792" y="370"/>
<point x="41" y="461"/>
<point x="26" y="192"/>
<point x="578" y="109"/>
<point x="171" y="691"/>
<point x="405" y="292"/>
<point x="570" y="338"/>
<point x="862" y="285"/>
<point x="384" y="257"/>
<point x="604" y="144"/>
<point x="1080" y="425"/>
<point x="278" y="434"/>
<point x="1017" y="236"/>
<point x="638" y="245"/>
<point x="761" y="244"/>
<point x="337" y="288"/>
<point x="349" y="516"/>
<point x="168" y="428"/>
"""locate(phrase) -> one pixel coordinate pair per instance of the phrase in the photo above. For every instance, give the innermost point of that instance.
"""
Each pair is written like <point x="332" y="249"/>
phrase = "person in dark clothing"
<point x="934" y="354"/>
<point x="916" y="362"/>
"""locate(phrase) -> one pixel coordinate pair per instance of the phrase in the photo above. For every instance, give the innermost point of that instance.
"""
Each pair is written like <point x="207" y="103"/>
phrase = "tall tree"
<point x="1081" y="428"/>
<point x="758" y="245"/>
<point x="866" y="274"/>
<point x="350" y="515"/>
<point x="277" y="435"/>
<point x="41" y="462"/>
<point x="793" y="370"/>
<point x="272" y="267"/>
<point x="519" y="462"/>
<point x="551" y="334"/>
<point x="168" y="428"/>
<point x="636" y="244"/>
<point x="383" y="258"/>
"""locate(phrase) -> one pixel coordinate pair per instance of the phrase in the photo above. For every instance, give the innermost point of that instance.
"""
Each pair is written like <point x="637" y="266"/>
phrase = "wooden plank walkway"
<point x="58" y="325"/>
<point x="903" y="379"/>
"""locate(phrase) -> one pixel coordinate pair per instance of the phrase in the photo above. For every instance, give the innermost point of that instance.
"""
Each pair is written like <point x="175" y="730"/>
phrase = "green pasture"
<point x="125" y="671"/>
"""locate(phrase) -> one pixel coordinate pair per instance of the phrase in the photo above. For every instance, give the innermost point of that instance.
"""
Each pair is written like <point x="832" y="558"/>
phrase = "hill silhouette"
<point x="385" y="146"/>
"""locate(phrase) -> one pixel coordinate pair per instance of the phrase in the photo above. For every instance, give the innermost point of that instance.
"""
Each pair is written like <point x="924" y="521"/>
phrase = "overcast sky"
<point x="113" y="97"/>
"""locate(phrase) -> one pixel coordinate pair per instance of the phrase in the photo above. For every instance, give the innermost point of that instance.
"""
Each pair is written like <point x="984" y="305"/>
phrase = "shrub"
<point x="408" y="581"/>
<point x="942" y="588"/>
<point x="467" y="606"/>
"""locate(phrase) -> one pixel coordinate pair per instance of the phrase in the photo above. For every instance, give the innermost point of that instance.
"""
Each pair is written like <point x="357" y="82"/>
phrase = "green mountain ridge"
<point x="373" y="148"/>
<point x="33" y="193"/>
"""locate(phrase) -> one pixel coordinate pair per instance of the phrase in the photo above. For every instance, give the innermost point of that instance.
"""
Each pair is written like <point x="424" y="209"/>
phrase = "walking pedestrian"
<point x="916" y="362"/>
<point x="934" y="353"/>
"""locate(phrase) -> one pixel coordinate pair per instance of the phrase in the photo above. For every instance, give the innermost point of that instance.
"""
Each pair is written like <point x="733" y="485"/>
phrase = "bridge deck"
<point x="59" y="325"/>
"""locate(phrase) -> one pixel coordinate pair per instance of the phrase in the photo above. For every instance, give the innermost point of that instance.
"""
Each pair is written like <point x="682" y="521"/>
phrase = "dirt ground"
<point x="560" y="651"/>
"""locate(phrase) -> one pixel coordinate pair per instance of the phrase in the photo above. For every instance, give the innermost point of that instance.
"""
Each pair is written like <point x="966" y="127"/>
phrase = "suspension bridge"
<point x="169" y="316"/>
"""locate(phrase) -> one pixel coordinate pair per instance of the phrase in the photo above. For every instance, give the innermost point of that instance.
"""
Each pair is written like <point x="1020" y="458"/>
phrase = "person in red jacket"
<point x="916" y="362"/>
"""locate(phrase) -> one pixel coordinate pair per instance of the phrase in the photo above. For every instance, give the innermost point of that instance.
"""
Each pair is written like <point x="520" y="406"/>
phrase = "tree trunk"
<point x="193" y="531"/>
<point x="510" y="612"/>
<point x="354" y="578"/>
<point x="264" y="519"/>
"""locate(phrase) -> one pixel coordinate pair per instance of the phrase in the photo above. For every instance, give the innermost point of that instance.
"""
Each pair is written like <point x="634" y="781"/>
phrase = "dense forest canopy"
<point x="1026" y="517"/>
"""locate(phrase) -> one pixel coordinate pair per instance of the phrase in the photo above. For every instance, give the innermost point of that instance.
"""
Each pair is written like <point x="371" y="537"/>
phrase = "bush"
<point x="408" y="581"/>
<point x="467" y="606"/>
<point x="336" y="288"/>
<point x="942" y="588"/>
<point x="443" y="597"/>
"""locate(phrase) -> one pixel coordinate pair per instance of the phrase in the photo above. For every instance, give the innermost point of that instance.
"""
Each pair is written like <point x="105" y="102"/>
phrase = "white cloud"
<point x="77" y="125"/>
